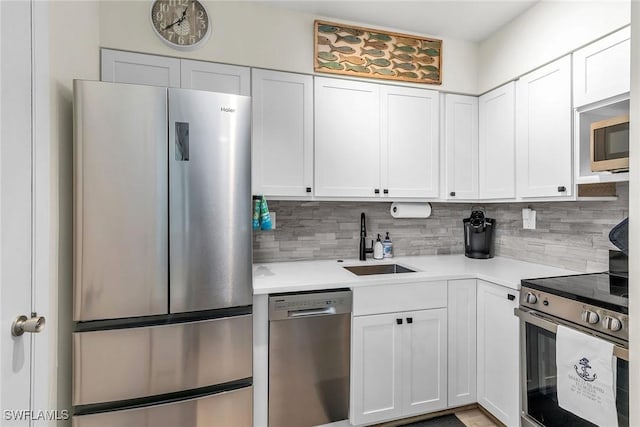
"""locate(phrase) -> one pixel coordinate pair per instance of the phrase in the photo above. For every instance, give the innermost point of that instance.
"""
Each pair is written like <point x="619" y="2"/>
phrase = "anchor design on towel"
<point x="584" y="374"/>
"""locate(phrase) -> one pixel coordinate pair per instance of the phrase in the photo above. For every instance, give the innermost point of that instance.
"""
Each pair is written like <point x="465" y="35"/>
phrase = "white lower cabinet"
<point x="498" y="352"/>
<point x="461" y="322"/>
<point x="398" y="365"/>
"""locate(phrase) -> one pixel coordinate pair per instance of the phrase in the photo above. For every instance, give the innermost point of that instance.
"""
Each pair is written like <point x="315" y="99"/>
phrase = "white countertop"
<point x="297" y="276"/>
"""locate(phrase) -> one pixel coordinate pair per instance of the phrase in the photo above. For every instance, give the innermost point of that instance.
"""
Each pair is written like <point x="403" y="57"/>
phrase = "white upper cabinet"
<point x="214" y="77"/>
<point x="136" y="68"/>
<point x="375" y="140"/>
<point x="602" y="69"/>
<point x="497" y="144"/>
<point x="347" y="138"/>
<point x="282" y="133"/>
<point x="543" y="131"/>
<point x="409" y="142"/>
<point x="461" y="147"/>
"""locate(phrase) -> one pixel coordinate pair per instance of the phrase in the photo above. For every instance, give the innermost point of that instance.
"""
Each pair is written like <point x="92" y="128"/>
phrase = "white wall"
<point x="547" y="31"/>
<point x="74" y="54"/>
<point x="634" y="218"/>
<point x="247" y="33"/>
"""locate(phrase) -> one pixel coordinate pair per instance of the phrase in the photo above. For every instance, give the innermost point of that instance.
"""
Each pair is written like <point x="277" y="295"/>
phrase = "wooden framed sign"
<point x="364" y="52"/>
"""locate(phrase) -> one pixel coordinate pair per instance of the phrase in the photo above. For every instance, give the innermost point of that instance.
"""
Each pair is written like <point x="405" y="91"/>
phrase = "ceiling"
<point x="471" y="20"/>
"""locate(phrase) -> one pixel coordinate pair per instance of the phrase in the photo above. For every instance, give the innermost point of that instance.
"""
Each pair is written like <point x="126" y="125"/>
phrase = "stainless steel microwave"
<point x="610" y="144"/>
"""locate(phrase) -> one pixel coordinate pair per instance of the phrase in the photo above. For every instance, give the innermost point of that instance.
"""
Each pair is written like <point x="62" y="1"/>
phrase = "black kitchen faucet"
<point x="363" y="245"/>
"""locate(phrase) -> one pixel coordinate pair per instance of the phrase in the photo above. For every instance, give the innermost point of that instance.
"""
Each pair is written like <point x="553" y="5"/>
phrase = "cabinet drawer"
<point x="233" y="408"/>
<point x="400" y="297"/>
<point x="160" y="359"/>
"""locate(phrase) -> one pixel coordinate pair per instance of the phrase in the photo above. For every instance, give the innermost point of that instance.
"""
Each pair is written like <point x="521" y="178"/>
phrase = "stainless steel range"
<point x="596" y="304"/>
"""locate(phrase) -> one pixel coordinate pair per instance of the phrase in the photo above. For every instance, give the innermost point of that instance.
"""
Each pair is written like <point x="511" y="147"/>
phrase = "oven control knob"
<point x="590" y="317"/>
<point x="531" y="298"/>
<point x="612" y="324"/>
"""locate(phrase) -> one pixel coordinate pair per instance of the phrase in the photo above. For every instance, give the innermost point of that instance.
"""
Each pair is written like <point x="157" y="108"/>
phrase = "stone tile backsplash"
<point x="571" y="235"/>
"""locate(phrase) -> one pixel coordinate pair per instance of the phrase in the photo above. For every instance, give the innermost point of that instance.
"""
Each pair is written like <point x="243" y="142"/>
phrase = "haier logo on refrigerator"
<point x="228" y="109"/>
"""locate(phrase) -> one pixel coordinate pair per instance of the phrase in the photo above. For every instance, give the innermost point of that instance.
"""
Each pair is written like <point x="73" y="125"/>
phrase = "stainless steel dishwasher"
<point x="309" y="351"/>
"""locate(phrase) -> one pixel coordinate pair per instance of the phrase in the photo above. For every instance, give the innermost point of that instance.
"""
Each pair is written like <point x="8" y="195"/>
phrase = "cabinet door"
<point x="347" y="142"/>
<point x="498" y="352"/>
<point x="461" y="345"/>
<point x="543" y="131"/>
<point x="282" y="159"/>
<point x="497" y="143"/>
<point x="214" y="77"/>
<point x="375" y="368"/>
<point x="461" y="145"/>
<point x="602" y="69"/>
<point x="137" y="68"/>
<point x="424" y="361"/>
<point x="409" y="142"/>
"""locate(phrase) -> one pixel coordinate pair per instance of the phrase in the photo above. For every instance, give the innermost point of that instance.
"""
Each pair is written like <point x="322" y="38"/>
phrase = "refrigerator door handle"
<point x="182" y="141"/>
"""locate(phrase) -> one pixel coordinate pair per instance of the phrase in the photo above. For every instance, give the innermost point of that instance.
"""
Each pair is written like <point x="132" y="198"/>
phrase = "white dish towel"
<point x="586" y="376"/>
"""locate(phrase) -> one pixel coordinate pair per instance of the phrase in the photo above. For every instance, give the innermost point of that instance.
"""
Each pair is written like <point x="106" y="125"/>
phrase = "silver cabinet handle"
<point x="23" y="324"/>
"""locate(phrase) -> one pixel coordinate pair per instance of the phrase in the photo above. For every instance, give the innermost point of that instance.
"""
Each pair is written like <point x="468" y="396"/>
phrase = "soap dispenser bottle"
<point x="377" y="249"/>
<point x="387" y="247"/>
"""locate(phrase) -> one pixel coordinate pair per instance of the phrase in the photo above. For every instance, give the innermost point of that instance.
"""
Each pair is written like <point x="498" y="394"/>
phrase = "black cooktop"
<point x="609" y="291"/>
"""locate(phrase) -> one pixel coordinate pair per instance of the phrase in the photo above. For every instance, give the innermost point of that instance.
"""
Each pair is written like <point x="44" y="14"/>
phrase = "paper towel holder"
<point x="410" y="210"/>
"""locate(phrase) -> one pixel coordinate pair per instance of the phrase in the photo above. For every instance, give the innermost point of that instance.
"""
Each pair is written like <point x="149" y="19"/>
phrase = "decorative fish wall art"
<point x="364" y="52"/>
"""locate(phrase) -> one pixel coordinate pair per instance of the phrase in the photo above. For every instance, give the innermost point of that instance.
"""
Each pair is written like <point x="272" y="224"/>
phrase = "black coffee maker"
<point x="478" y="235"/>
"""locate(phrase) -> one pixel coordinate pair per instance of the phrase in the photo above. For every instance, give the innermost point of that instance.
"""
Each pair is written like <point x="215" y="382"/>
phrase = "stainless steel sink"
<point x="365" y="270"/>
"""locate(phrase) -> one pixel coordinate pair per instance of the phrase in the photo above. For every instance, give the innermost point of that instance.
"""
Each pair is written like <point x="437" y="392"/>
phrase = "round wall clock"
<point x="182" y="24"/>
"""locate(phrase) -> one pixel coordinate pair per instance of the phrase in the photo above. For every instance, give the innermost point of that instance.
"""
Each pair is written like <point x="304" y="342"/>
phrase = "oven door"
<point x="538" y="374"/>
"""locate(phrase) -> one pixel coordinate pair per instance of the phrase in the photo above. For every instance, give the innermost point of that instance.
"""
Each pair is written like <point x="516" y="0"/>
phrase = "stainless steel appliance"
<point x="162" y="257"/>
<point x="309" y="350"/>
<point x="596" y="304"/>
<point x="610" y="144"/>
<point x="478" y="235"/>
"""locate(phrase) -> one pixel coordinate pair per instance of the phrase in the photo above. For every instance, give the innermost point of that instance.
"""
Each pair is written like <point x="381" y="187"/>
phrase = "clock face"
<point x="183" y="24"/>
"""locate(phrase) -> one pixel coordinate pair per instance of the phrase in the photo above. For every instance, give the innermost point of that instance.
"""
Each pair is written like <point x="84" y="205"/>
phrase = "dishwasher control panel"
<point x="294" y="305"/>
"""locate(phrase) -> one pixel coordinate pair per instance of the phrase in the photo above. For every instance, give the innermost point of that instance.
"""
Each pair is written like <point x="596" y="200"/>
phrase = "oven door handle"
<point x="535" y="319"/>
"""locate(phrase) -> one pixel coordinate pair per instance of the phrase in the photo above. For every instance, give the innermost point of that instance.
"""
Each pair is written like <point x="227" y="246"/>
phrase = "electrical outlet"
<point x="273" y="220"/>
<point x="528" y="219"/>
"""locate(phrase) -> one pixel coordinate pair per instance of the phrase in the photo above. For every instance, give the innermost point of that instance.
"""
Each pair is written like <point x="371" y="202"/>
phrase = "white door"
<point x="461" y="147"/>
<point x="138" y="68"/>
<point x="347" y="138"/>
<point x="409" y="142"/>
<point x="424" y="361"/>
<point x="498" y="352"/>
<point x="24" y="210"/>
<point x="375" y="368"/>
<point x="461" y="345"/>
<point x="543" y="131"/>
<point x="497" y="143"/>
<point x="282" y="133"/>
<point x="215" y="77"/>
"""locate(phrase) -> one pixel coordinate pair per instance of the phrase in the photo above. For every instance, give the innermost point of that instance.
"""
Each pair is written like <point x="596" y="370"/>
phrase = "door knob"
<point x="23" y="324"/>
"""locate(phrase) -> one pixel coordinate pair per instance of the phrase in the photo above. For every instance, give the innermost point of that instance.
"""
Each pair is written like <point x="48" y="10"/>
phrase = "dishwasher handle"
<point x="311" y="312"/>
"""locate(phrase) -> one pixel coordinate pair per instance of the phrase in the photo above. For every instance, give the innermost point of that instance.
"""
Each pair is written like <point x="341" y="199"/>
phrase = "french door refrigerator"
<point x="162" y="257"/>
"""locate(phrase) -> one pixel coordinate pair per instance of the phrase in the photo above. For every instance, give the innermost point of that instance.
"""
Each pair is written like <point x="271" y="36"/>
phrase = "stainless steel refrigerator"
<point x="162" y="257"/>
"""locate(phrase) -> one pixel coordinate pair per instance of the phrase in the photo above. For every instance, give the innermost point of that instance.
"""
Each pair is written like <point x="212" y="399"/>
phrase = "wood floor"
<point x="475" y="418"/>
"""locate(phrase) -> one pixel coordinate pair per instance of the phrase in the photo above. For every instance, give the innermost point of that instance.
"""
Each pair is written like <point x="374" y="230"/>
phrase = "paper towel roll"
<point x="410" y="210"/>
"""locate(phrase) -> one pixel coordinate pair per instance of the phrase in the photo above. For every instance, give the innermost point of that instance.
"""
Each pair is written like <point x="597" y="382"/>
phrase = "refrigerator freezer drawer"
<point x="120" y="201"/>
<point x="130" y="363"/>
<point x="233" y="408"/>
<point x="209" y="200"/>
